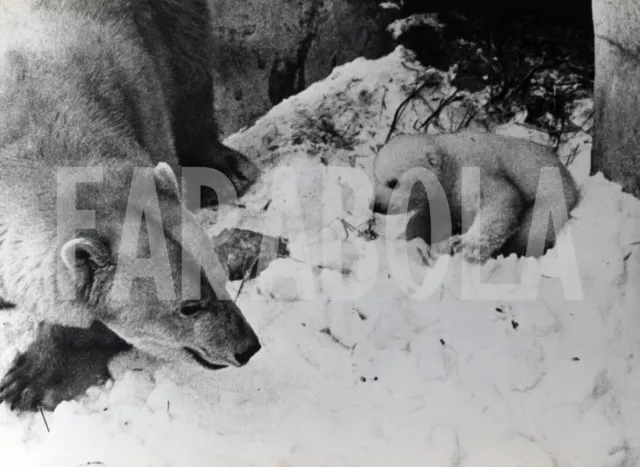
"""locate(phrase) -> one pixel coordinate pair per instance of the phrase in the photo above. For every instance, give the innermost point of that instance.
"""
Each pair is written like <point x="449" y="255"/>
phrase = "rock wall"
<point x="617" y="92"/>
<point x="267" y="50"/>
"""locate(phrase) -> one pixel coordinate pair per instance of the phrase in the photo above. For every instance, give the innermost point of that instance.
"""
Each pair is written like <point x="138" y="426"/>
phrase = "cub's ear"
<point x="166" y="178"/>
<point x="83" y="252"/>
<point x="434" y="158"/>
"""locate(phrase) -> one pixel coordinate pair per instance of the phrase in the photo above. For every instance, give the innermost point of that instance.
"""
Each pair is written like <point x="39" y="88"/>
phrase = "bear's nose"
<point x="243" y="357"/>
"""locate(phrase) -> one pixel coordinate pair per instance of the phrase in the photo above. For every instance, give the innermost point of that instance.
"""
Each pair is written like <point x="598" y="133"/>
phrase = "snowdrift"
<point x="361" y="366"/>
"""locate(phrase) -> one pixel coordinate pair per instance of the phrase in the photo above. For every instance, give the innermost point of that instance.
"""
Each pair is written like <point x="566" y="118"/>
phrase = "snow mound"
<point x="361" y="365"/>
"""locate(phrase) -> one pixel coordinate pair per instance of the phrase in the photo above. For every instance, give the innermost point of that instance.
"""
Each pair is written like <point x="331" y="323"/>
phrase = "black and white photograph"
<point x="332" y="233"/>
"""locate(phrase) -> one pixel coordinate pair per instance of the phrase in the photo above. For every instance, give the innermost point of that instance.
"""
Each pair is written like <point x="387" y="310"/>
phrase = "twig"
<point x="368" y="231"/>
<point x="403" y="104"/>
<point x="45" y="420"/>
<point x="436" y="113"/>
<point x="335" y="339"/>
<point x="469" y="115"/>
<point x="246" y="277"/>
<point x="347" y="227"/>
<point x="581" y="127"/>
<point x="407" y="67"/>
<point x="572" y="157"/>
<point x="560" y="132"/>
<point x="383" y="104"/>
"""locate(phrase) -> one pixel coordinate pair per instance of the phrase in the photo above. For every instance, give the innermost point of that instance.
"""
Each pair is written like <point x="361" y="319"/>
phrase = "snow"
<point x="389" y="6"/>
<point x="400" y="26"/>
<point x="354" y="371"/>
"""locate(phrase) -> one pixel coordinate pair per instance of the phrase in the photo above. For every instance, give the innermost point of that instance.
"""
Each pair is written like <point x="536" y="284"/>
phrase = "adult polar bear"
<point x="506" y="212"/>
<point x="112" y="86"/>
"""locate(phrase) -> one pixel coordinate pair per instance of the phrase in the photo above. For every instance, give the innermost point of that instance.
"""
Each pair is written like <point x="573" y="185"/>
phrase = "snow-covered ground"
<point x="371" y="373"/>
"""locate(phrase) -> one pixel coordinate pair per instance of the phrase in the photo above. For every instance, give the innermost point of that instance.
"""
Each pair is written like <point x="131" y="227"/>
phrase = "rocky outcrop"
<point x="617" y="92"/>
<point x="268" y="50"/>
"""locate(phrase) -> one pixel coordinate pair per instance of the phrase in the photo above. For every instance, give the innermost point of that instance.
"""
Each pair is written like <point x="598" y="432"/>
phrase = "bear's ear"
<point x="84" y="252"/>
<point x="85" y="257"/>
<point x="166" y="179"/>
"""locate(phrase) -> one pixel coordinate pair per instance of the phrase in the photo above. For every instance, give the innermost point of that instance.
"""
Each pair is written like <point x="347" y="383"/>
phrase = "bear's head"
<point x="157" y="282"/>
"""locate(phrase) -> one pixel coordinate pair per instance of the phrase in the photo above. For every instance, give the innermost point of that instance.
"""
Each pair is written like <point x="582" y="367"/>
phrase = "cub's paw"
<point x="38" y="378"/>
<point x="476" y="252"/>
<point x="473" y="251"/>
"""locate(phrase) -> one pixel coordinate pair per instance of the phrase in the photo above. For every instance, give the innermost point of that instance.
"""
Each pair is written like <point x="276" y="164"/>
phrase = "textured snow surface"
<point x="353" y="370"/>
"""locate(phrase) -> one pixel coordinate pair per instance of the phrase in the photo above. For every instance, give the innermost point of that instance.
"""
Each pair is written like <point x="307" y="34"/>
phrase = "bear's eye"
<point x="393" y="183"/>
<point x="191" y="307"/>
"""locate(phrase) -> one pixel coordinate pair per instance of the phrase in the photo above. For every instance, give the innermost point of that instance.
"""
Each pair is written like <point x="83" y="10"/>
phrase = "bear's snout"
<point x="243" y="356"/>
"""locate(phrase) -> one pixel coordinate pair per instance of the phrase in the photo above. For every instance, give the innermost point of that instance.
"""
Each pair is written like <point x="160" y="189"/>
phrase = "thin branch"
<point x="247" y="273"/>
<point x="443" y="103"/>
<point x="45" y="420"/>
<point x="403" y="104"/>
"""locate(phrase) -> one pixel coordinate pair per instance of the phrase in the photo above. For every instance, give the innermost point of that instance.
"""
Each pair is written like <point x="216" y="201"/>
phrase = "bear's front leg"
<point x="197" y="145"/>
<point x="497" y="218"/>
<point x="62" y="363"/>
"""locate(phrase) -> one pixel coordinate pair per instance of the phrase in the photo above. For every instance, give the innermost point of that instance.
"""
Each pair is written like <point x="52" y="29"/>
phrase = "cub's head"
<point x="154" y="279"/>
<point x="394" y="175"/>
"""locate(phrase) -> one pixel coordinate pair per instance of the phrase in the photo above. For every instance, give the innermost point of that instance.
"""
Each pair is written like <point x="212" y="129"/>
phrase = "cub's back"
<point x="519" y="161"/>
